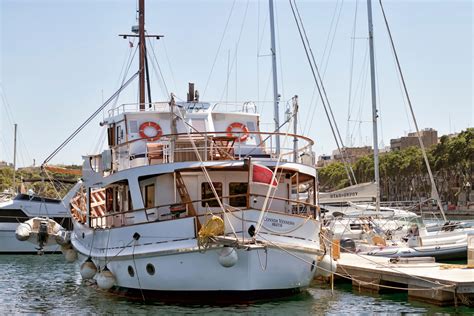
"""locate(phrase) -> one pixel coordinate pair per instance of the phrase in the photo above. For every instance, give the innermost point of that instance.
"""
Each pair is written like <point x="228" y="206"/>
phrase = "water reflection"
<point x="46" y="284"/>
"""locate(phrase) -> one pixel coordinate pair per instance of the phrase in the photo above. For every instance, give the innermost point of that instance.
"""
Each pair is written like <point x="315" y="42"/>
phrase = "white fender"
<point x="105" y="279"/>
<point x="228" y="257"/>
<point x="88" y="269"/>
<point x="23" y="231"/>
<point x="326" y="266"/>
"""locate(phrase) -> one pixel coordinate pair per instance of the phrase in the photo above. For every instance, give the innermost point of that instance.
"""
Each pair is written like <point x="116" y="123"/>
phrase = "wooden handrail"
<point x="202" y="200"/>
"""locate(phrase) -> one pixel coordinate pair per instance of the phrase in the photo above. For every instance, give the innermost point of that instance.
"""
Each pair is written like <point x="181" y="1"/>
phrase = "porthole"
<point x="313" y="265"/>
<point x="150" y="269"/>
<point x="131" y="272"/>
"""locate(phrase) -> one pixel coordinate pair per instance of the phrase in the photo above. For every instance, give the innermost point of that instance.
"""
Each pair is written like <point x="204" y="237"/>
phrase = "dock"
<point x="423" y="278"/>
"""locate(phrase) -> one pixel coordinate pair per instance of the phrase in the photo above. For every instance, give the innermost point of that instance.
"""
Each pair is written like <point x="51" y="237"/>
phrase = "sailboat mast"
<point x="276" y="98"/>
<point x="14" y="157"/>
<point x="141" y="34"/>
<point x="374" y="105"/>
<point x="295" y="128"/>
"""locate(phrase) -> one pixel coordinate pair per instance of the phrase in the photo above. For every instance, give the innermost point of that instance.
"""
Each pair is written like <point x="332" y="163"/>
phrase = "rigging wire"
<point x="267" y="87"/>
<point x="158" y="67"/>
<point x="321" y="89"/>
<point x="280" y="53"/>
<point x="325" y="62"/>
<point x="332" y="40"/>
<point x="89" y="119"/>
<point x="360" y="92"/>
<point x="219" y="47"/>
<point x="189" y="127"/>
<point x="330" y="32"/>
<point x="266" y="204"/>
<point x="234" y="61"/>
<point x="130" y="55"/>
<point x="351" y="73"/>
<point x="169" y="64"/>
<point x="434" y="190"/>
<point x="20" y="138"/>
<point x="260" y="38"/>
<point x="379" y="103"/>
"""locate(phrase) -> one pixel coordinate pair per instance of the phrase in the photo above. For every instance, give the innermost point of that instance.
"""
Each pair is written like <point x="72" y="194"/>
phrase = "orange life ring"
<point x="155" y="126"/>
<point x="241" y="129"/>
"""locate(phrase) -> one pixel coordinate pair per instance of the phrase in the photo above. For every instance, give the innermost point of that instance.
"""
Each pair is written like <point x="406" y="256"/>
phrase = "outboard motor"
<point x="42" y="234"/>
<point x="347" y="245"/>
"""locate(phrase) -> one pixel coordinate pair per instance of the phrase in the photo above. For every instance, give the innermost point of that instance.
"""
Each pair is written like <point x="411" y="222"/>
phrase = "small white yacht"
<point x="22" y="208"/>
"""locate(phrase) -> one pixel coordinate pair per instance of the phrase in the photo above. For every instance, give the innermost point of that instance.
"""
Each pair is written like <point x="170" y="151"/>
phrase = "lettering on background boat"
<point x="338" y="195"/>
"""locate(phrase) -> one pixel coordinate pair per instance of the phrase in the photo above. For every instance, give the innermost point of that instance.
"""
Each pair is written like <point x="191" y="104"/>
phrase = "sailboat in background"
<point x="346" y="213"/>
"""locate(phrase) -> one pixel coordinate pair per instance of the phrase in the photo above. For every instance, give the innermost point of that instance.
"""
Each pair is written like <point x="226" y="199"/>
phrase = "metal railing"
<point x="210" y="146"/>
<point x="135" y="107"/>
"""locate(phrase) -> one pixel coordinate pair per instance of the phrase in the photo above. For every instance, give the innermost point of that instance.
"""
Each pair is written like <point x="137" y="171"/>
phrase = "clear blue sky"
<point x="59" y="59"/>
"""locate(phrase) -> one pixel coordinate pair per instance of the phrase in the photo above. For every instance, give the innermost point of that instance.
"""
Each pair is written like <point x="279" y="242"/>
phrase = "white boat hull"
<point x="285" y="263"/>
<point x="195" y="271"/>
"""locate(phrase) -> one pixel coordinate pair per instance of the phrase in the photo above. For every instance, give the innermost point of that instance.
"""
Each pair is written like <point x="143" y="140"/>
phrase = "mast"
<point x="14" y="157"/>
<point x="295" y="128"/>
<point x="374" y="105"/>
<point x="141" y="43"/>
<point x="276" y="97"/>
<point x="142" y="55"/>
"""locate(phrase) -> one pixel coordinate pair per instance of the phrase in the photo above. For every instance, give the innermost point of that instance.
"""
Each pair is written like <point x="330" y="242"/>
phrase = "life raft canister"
<point x="238" y="128"/>
<point x="151" y="125"/>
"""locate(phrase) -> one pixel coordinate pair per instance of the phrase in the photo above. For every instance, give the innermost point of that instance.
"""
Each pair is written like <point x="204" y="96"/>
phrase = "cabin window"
<point x="13" y="216"/>
<point x="150" y="196"/>
<point x="251" y="126"/>
<point x="129" y="201"/>
<point x="117" y="198"/>
<point x="133" y="126"/>
<point x="111" y="136"/>
<point x="207" y="196"/>
<point x="238" y="188"/>
<point x="119" y="134"/>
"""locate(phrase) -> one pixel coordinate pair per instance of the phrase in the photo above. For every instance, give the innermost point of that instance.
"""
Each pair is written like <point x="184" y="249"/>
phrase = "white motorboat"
<point x="24" y="207"/>
<point x="191" y="198"/>
<point x="440" y="245"/>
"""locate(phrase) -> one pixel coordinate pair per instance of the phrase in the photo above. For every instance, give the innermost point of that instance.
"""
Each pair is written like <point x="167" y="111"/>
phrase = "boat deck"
<point x="424" y="279"/>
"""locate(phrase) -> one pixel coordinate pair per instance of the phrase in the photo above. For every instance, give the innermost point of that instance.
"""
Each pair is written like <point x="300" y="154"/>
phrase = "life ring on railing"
<point x="239" y="128"/>
<point x="151" y="125"/>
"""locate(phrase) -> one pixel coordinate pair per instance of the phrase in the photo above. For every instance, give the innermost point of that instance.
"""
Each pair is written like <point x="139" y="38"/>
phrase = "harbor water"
<point x="47" y="284"/>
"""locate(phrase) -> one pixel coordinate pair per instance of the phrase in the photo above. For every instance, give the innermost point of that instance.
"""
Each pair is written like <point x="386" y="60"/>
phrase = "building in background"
<point x="5" y="164"/>
<point x="352" y="154"/>
<point x="428" y="135"/>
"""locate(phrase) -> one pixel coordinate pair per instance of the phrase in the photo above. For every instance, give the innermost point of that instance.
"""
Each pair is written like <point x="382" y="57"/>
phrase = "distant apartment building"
<point x="324" y="160"/>
<point x="428" y="135"/>
<point x="5" y="164"/>
<point x="351" y="154"/>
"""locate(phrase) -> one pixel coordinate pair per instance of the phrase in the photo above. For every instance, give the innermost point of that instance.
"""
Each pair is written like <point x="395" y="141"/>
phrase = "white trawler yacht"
<point x="189" y="198"/>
